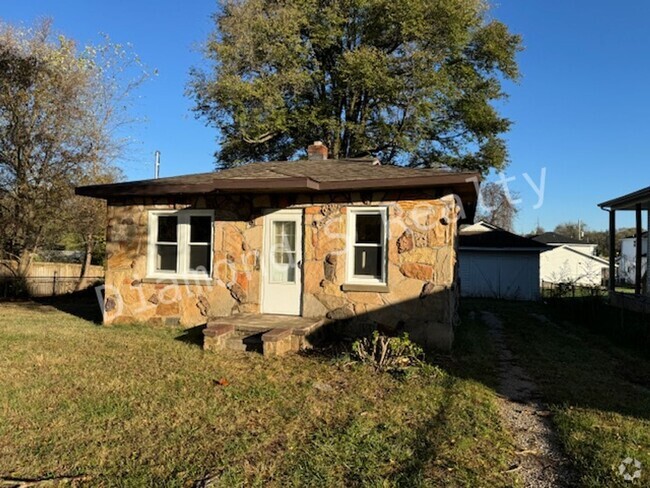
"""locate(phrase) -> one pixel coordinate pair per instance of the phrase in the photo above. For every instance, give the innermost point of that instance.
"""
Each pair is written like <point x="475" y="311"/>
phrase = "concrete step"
<point x="216" y="335"/>
<point x="245" y="341"/>
<point x="277" y="342"/>
<point x="250" y="329"/>
<point x="235" y="344"/>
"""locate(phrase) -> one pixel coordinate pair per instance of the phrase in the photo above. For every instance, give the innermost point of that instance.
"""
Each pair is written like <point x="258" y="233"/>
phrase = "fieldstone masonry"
<point x="420" y="297"/>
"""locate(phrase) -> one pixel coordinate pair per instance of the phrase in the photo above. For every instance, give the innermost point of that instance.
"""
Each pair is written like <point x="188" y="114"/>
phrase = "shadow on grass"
<point x="570" y="364"/>
<point x="192" y="336"/>
<point x="82" y="304"/>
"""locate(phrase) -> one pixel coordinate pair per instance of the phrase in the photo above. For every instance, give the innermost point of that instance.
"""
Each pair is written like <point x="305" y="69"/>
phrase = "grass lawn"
<point x="600" y="393"/>
<point x="625" y="289"/>
<point x="137" y="406"/>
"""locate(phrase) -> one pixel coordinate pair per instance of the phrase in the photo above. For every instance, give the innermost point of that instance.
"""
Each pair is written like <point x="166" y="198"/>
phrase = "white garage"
<point x="495" y="263"/>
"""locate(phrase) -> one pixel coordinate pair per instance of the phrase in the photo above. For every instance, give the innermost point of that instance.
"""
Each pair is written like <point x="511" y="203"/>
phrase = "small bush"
<point x="393" y="354"/>
<point x="13" y="287"/>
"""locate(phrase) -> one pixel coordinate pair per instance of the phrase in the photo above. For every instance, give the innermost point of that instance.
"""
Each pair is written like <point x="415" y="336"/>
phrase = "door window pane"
<point x="283" y="265"/>
<point x="167" y="228"/>
<point x="283" y="273"/>
<point x="284" y="236"/>
<point x="283" y="257"/>
<point x="368" y="261"/>
<point x="368" y="229"/>
<point x="166" y="257"/>
<point x="200" y="228"/>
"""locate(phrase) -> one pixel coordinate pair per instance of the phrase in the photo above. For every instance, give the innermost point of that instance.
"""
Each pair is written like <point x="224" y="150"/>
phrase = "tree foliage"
<point x="410" y="81"/>
<point x="84" y="218"/>
<point x="60" y="108"/>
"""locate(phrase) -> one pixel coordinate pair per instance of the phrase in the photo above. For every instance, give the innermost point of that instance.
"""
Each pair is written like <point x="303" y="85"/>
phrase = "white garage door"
<point x="511" y="275"/>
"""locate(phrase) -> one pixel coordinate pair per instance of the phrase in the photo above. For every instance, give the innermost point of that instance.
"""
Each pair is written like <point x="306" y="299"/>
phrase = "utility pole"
<point x="579" y="229"/>
<point x="156" y="171"/>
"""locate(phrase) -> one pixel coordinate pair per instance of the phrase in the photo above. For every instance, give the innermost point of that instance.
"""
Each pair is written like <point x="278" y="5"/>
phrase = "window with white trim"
<point x="367" y="243"/>
<point x="180" y="244"/>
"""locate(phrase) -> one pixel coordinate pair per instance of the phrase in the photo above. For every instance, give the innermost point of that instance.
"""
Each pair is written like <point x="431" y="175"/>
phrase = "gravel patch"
<point x="539" y="462"/>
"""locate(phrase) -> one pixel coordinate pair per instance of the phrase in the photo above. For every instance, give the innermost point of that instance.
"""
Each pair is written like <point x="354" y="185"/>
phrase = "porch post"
<point x="639" y="251"/>
<point x="647" y="255"/>
<point x="612" y="250"/>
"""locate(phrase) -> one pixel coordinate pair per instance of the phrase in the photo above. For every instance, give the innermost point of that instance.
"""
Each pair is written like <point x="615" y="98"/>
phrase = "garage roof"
<point x="497" y="239"/>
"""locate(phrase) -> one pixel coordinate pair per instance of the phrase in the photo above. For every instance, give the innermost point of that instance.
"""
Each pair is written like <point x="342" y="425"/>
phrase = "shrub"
<point x="13" y="287"/>
<point x="394" y="354"/>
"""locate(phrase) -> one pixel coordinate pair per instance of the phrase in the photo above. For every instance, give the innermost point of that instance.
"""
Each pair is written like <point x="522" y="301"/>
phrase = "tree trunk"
<point x="24" y="263"/>
<point x="85" y="266"/>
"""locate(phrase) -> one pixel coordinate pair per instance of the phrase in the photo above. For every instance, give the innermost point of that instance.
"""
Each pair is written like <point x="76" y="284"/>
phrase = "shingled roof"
<point x="555" y="238"/>
<point x="497" y="239"/>
<point x="293" y="176"/>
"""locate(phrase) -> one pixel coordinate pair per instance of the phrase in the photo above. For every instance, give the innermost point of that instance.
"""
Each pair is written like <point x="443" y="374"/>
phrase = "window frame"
<point x="183" y="245"/>
<point x="351" y="244"/>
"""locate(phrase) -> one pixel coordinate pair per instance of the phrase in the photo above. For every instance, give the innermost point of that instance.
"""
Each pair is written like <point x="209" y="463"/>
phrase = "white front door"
<point x="282" y="262"/>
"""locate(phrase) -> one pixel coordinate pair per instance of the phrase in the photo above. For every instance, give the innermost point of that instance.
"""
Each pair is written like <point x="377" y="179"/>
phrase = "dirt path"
<point x="540" y="462"/>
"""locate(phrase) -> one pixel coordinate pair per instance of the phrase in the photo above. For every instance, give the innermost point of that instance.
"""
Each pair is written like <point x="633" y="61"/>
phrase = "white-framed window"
<point x="367" y="238"/>
<point x="180" y="244"/>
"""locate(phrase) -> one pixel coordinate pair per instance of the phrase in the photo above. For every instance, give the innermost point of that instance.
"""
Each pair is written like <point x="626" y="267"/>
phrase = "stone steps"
<point x="273" y="342"/>
<point x="245" y="341"/>
<point x="242" y="334"/>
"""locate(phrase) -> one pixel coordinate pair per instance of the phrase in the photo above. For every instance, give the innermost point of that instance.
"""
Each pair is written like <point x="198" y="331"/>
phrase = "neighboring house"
<point x="347" y="241"/>
<point x="556" y="240"/>
<point x="627" y="259"/>
<point x="570" y="261"/>
<point x="496" y="263"/>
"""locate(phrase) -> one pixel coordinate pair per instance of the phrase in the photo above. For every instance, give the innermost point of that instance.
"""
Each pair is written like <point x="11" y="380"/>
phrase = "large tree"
<point x="83" y="219"/>
<point x="497" y="206"/>
<point x="409" y="81"/>
<point x="60" y="108"/>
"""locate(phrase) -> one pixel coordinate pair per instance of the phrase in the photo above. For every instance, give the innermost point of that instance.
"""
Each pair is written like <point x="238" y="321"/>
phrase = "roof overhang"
<point x="268" y="185"/>
<point x="629" y="201"/>
<point x="462" y="184"/>
<point x="149" y="188"/>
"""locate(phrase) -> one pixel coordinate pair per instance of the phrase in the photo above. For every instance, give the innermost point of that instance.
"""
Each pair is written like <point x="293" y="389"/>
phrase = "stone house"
<point x="346" y="242"/>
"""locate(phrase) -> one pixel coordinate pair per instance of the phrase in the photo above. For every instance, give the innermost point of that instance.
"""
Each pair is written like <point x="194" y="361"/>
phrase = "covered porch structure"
<point x="639" y="203"/>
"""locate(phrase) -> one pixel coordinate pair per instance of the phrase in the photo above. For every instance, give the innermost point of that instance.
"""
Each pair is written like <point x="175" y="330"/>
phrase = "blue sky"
<point x="580" y="109"/>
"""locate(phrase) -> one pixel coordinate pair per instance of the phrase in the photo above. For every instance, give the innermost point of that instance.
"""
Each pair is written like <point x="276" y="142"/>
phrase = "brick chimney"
<point x="317" y="151"/>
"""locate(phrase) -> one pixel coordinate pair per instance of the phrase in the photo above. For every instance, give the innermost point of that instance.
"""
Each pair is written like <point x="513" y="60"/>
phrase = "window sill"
<point x="370" y="287"/>
<point x="177" y="280"/>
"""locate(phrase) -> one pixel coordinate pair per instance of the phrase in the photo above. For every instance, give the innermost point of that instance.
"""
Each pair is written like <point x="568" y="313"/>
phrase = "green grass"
<point x="600" y="393"/>
<point x="134" y="406"/>
<point x="625" y="289"/>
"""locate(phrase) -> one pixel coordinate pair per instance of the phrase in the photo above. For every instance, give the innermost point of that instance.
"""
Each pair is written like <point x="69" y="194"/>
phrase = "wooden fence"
<point x="45" y="279"/>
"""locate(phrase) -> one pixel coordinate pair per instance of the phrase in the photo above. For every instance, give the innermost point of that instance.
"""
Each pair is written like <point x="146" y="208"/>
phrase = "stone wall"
<point x="130" y="297"/>
<point x="421" y="297"/>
